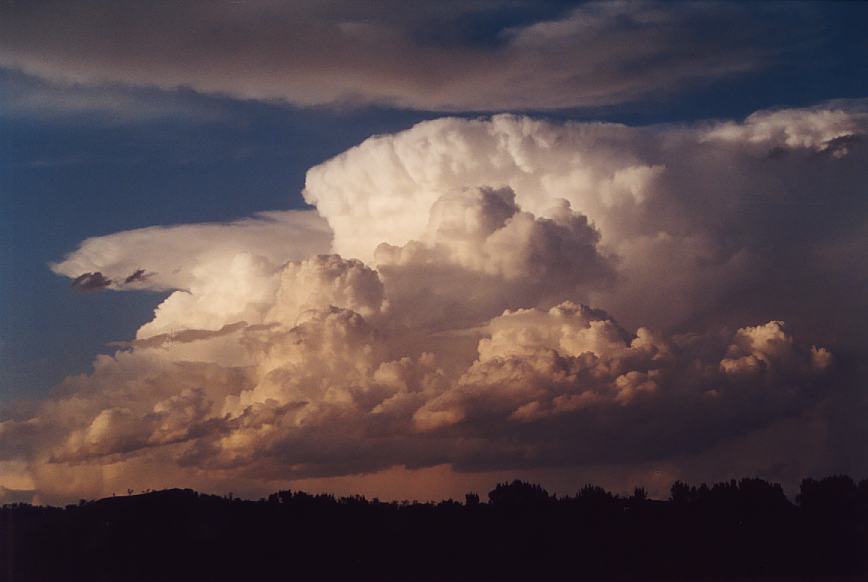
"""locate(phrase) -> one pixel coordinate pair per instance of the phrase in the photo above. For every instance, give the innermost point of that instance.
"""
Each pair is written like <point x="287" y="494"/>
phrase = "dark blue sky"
<point x="68" y="175"/>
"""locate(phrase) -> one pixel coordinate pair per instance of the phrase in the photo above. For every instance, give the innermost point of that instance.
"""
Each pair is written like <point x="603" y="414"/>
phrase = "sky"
<point x="410" y="249"/>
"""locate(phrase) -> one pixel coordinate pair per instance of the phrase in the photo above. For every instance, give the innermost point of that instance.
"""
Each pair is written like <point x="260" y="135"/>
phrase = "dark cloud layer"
<point x="402" y="54"/>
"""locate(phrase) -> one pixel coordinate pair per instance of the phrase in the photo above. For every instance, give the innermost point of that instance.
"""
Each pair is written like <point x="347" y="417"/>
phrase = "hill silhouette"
<point x="738" y="530"/>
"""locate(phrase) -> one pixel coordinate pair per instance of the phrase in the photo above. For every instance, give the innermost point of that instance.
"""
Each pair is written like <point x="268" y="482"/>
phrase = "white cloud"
<point x="170" y="255"/>
<point x="820" y="129"/>
<point x="710" y="213"/>
<point x="481" y="254"/>
<point x="383" y="189"/>
<point x="223" y="273"/>
<point x="324" y="281"/>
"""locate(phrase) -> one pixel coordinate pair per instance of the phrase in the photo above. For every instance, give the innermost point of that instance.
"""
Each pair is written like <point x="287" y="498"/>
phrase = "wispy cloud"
<point x="56" y="100"/>
<point x="395" y="53"/>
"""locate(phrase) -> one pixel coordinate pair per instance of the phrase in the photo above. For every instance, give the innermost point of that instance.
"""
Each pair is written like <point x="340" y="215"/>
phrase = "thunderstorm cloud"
<point x="489" y="294"/>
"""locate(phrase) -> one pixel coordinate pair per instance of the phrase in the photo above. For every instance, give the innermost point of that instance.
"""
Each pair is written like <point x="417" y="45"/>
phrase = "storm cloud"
<point x="491" y="294"/>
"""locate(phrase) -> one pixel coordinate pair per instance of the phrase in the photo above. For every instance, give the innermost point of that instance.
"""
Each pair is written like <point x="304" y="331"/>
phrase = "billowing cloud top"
<point x="453" y="300"/>
<point x="421" y="56"/>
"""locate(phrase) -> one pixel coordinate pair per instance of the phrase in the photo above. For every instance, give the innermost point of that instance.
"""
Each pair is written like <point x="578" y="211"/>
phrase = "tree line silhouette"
<point x="737" y="530"/>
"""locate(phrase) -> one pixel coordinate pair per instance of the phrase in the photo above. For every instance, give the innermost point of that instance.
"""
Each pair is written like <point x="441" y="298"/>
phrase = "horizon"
<point x="479" y="497"/>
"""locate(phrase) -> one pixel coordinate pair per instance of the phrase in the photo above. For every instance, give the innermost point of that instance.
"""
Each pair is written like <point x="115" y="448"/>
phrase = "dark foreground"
<point x="745" y="530"/>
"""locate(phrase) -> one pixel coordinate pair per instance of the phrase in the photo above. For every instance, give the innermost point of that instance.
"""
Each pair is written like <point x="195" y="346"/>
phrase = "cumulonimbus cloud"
<point x="395" y="53"/>
<point x="500" y="293"/>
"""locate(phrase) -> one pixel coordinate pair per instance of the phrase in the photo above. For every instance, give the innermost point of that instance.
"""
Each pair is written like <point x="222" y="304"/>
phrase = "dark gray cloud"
<point x="401" y="54"/>
<point x="91" y="282"/>
<point x="138" y="275"/>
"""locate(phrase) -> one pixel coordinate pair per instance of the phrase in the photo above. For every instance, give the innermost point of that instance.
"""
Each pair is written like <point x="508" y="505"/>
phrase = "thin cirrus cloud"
<point x="26" y="96"/>
<point x="501" y="294"/>
<point x="309" y="53"/>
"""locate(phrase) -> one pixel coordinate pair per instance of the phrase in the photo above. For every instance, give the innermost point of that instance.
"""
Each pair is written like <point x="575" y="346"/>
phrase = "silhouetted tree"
<point x="518" y="494"/>
<point x="735" y="530"/>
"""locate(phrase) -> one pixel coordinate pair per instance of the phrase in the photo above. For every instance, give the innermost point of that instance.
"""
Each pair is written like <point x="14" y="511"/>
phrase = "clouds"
<point x="381" y="190"/>
<point x="819" y="129"/>
<point x="162" y="258"/>
<point x="713" y="214"/>
<point x="428" y="58"/>
<point x="499" y="293"/>
<point x="569" y="376"/>
<point x="223" y="273"/>
<point x="481" y="254"/>
<point x="92" y="281"/>
<point x="324" y="281"/>
<point x="34" y="98"/>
